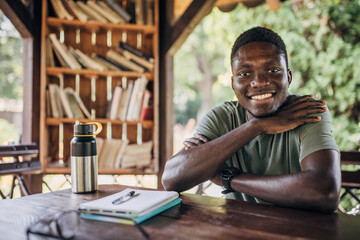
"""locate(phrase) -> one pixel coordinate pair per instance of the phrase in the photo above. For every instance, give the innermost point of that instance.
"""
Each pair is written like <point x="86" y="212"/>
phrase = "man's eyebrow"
<point x="244" y="65"/>
<point x="272" y="62"/>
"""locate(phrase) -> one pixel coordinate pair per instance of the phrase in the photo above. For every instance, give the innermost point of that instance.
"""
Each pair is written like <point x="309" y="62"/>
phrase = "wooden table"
<point x="198" y="217"/>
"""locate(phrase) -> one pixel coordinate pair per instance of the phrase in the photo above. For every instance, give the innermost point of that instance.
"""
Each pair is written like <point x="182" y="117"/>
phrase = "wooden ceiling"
<point x="226" y="5"/>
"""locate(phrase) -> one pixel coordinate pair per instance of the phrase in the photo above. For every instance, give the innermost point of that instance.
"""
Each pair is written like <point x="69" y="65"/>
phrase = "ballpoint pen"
<point x="123" y="198"/>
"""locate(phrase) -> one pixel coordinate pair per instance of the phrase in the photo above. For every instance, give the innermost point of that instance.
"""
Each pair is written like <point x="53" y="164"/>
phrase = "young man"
<point x="269" y="146"/>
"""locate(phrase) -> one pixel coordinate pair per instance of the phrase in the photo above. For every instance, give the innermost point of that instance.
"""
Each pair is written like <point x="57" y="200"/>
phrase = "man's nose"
<point x="259" y="81"/>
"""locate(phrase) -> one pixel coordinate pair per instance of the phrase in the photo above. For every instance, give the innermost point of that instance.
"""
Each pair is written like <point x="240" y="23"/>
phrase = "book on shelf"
<point x="64" y="52"/>
<point x="60" y="10"/>
<point x="147" y="110"/>
<point x="79" y="13"/>
<point x="130" y="206"/>
<point x="116" y="18"/>
<point x="108" y="153"/>
<point x="149" y="12"/>
<point x="115" y="103"/>
<point x="124" y="102"/>
<point x="149" y="66"/>
<point x="65" y="104"/>
<point x="139" y="12"/>
<point x="50" y="59"/>
<point x="82" y="106"/>
<point x="137" y="155"/>
<point x="119" y="9"/>
<point x="58" y="59"/>
<point x="117" y="153"/>
<point x="56" y="109"/>
<point x="86" y="61"/>
<point x="106" y="62"/>
<point x="135" y="103"/>
<point x="48" y="107"/>
<point x="98" y="10"/>
<point x="135" y="51"/>
<point x="122" y="61"/>
<point x="74" y="105"/>
<point x="92" y="15"/>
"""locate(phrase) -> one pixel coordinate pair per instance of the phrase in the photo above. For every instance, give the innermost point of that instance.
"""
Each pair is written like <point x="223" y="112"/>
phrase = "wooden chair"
<point x="18" y="167"/>
<point x="350" y="180"/>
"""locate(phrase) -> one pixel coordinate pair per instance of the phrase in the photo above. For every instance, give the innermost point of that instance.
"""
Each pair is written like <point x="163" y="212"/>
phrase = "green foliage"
<point x="10" y="60"/>
<point x="8" y="132"/>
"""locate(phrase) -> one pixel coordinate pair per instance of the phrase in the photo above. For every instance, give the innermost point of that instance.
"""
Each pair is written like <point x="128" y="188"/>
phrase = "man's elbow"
<point x="330" y="201"/>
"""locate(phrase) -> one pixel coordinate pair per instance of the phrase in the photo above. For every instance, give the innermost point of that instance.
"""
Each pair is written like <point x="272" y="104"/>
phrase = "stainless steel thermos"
<point x="84" y="159"/>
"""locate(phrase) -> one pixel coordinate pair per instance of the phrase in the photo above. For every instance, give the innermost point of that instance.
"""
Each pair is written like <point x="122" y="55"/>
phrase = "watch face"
<point x="230" y="171"/>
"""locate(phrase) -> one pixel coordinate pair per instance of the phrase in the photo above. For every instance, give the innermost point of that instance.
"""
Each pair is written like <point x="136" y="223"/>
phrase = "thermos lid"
<point x="87" y="129"/>
<point x="83" y="129"/>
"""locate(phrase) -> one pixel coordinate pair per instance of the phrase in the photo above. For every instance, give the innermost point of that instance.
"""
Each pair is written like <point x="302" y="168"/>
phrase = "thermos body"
<point x="84" y="159"/>
<point x="84" y="171"/>
<point x="84" y="165"/>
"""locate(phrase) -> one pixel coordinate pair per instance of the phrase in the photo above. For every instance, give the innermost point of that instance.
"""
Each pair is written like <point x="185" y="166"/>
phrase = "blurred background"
<point x="323" y="44"/>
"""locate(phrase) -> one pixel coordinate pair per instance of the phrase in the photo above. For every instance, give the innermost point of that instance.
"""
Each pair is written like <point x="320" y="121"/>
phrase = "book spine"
<point x="121" y="11"/>
<point x="135" y="51"/>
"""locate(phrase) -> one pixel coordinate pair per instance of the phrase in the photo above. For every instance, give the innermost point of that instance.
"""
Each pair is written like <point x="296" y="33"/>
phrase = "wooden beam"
<point x="178" y="32"/>
<point x="19" y="15"/>
<point x="166" y="87"/>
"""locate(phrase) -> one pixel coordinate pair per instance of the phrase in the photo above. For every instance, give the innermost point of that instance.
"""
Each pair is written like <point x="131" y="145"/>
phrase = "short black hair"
<point x="259" y="34"/>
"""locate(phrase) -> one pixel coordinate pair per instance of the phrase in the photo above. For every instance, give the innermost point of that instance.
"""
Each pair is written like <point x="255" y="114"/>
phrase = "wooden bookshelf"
<point x="56" y="133"/>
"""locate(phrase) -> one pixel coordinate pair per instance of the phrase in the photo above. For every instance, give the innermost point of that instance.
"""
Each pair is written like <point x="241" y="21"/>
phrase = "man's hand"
<point x="293" y="115"/>
<point x="195" y="141"/>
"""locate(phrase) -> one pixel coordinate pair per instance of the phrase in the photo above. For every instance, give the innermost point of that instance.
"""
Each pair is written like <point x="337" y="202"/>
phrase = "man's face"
<point x="260" y="78"/>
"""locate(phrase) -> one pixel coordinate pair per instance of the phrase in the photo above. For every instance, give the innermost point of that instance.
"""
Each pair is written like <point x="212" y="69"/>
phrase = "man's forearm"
<point x="316" y="189"/>
<point x="196" y="165"/>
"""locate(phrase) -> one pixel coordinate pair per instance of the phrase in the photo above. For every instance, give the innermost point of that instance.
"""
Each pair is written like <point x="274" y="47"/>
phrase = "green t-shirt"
<point x="267" y="154"/>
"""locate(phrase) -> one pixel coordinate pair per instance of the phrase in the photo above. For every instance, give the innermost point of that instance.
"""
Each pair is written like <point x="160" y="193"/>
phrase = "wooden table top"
<point x="198" y="217"/>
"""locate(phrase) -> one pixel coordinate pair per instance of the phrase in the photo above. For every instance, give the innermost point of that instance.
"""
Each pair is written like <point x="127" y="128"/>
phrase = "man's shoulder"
<point x="228" y="107"/>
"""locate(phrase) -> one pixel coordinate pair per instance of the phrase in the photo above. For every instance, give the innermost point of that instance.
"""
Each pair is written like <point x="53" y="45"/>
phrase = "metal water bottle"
<point x="84" y="159"/>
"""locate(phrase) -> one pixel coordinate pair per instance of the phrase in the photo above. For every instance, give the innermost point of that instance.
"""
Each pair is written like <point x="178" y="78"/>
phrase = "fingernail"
<point x="318" y="117"/>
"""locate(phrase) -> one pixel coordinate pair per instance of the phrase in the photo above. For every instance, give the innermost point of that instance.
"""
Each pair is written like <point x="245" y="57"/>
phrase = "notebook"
<point x="133" y="204"/>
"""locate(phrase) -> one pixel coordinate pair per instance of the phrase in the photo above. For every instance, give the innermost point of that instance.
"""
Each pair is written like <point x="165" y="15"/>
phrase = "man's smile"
<point x="261" y="96"/>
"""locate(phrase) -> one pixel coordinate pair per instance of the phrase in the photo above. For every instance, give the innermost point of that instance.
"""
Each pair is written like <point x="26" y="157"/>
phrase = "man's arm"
<point x="316" y="187"/>
<point x="196" y="165"/>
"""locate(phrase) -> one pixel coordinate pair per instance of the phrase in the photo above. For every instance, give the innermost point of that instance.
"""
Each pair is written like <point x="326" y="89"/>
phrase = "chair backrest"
<point x="350" y="178"/>
<point x="15" y="151"/>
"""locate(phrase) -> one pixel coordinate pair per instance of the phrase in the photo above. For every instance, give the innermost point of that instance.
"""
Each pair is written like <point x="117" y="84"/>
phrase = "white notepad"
<point x="143" y="202"/>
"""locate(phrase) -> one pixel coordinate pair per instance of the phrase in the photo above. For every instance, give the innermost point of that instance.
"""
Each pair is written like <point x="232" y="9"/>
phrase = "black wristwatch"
<point x="226" y="175"/>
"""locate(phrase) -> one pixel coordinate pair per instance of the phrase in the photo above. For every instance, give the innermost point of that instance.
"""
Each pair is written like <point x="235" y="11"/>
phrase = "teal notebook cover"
<point x="131" y="220"/>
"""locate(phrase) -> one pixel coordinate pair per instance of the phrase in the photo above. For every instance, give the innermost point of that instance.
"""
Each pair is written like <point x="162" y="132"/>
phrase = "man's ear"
<point x="289" y="73"/>
<point x="232" y="82"/>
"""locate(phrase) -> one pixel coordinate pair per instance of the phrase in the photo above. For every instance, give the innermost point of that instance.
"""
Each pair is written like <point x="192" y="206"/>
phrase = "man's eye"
<point x="244" y="74"/>
<point x="274" y="70"/>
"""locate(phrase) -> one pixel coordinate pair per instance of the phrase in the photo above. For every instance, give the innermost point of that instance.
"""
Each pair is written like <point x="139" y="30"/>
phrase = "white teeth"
<point x="262" y="96"/>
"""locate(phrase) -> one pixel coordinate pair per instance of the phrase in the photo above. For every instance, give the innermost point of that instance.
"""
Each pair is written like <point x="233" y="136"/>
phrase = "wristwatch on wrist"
<point x="226" y="175"/>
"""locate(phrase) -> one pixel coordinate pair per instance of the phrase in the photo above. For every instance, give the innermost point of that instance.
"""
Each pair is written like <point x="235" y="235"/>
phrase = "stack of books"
<point x="106" y="11"/>
<point x="130" y="206"/>
<point x="123" y="58"/>
<point x="117" y="153"/>
<point x="64" y="103"/>
<point x="133" y="103"/>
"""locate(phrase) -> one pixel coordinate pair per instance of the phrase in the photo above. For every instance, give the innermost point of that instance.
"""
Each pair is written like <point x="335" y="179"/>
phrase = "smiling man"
<point x="269" y="146"/>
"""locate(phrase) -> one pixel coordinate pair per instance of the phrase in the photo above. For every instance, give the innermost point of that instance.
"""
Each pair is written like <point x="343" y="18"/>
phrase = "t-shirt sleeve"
<point x="317" y="136"/>
<point x="209" y="124"/>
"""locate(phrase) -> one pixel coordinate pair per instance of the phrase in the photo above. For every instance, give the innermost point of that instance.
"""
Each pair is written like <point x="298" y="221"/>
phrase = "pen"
<point x="123" y="198"/>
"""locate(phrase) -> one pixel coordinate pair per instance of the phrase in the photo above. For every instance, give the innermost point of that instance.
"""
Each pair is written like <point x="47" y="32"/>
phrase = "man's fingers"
<point x="201" y="137"/>
<point x="304" y="104"/>
<point x="195" y="141"/>
<point x="305" y="112"/>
